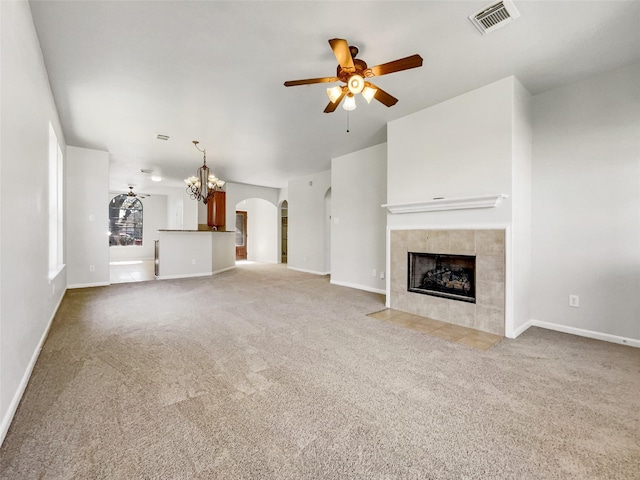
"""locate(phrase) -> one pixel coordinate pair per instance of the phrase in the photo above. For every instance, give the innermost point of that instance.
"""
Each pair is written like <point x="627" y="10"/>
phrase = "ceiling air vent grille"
<point x="494" y="16"/>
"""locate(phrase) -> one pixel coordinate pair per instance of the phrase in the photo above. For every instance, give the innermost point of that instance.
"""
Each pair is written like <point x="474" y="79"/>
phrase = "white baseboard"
<point x="87" y="285"/>
<point x="15" y="401"/>
<point x="224" y="269"/>
<point x="184" y="275"/>
<point x="587" y="333"/>
<point x="358" y="287"/>
<point x="520" y="330"/>
<point x="308" y="271"/>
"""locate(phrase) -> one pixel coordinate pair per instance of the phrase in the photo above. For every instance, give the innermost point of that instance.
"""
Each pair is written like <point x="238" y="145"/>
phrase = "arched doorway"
<point x="257" y="230"/>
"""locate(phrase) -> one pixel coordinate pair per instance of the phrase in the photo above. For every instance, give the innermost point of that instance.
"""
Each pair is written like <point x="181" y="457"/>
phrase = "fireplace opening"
<point x="448" y="276"/>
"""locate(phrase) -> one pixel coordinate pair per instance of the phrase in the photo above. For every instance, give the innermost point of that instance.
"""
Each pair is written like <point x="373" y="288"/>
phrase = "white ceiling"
<point x="124" y="71"/>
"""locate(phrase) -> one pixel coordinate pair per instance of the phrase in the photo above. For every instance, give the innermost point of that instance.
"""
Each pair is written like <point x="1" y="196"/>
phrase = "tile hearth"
<point x="436" y="328"/>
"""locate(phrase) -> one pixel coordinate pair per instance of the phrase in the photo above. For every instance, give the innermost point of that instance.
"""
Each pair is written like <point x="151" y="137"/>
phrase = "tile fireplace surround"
<point x="488" y="313"/>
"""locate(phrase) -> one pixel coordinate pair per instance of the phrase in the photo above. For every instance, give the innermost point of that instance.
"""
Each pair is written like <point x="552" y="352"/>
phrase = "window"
<point x="125" y="220"/>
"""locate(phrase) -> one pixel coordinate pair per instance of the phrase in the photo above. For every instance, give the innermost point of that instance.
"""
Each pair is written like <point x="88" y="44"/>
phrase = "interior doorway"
<point x="284" y="226"/>
<point x="241" y="235"/>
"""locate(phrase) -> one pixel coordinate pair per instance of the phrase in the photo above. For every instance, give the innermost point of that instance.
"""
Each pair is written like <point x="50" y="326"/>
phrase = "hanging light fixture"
<point x="204" y="184"/>
<point x="334" y="93"/>
<point x="368" y="93"/>
<point x="349" y="102"/>
<point x="355" y="84"/>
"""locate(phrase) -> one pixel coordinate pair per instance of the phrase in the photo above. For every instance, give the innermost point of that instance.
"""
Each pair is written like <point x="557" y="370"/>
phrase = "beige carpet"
<point x="266" y="373"/>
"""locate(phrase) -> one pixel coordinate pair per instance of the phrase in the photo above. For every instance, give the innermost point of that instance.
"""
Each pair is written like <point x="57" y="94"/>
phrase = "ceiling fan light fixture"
<point x="355" y="84"/>
<point x="349" y="103"/>
<point x="334" y="93"/>
<point x="368" y="93"/>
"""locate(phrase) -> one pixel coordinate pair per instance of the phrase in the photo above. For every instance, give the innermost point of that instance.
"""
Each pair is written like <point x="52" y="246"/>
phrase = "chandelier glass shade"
<point x="204" y="184"/>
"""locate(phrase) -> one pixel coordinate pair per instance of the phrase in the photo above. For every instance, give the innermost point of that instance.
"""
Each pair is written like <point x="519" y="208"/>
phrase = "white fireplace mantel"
<point x="440" y="204"/>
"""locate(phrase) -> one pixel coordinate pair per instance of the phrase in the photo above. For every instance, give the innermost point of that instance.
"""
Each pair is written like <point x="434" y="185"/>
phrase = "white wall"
<point x="28" y="297"/>
<point x="306" y="222"/>
<point x="191" y="211"/>
<point x="586" y="210"/>
<point x="237" y="192"/>
<point x="262" y="230"/>
<point x="175" y="208"/>
<point x="458" y="148"/>
<point x="154" y="218"/>
<point x="478" y="143"/>
<point x="520" y="276"/>
<point x="359" y="188"/>
<point x="87" y="217"/>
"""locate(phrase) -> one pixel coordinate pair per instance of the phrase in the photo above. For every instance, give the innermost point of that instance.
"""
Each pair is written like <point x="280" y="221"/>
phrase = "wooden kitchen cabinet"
<point x="216" y="211"/>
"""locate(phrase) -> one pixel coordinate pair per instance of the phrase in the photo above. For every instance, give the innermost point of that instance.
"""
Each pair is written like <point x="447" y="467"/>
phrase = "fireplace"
<point x="482" y="306"/>
<point x="446" y="276"/>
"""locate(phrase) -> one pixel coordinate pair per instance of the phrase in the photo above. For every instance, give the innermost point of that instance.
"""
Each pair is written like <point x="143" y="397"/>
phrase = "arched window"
<point x="125" y="220"/>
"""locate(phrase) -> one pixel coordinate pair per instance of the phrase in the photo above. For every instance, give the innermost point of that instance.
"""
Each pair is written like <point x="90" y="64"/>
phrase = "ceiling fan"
<point x="131" y="193"/>
<point x="353" y="72"/>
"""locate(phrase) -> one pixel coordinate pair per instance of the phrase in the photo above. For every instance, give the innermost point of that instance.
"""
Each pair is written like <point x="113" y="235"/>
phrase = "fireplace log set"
<point x="442" y="275"/>
<point x="445" y="277"/>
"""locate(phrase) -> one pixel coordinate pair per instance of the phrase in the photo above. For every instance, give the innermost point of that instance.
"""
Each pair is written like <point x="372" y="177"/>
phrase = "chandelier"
<point x="204" y="184"/>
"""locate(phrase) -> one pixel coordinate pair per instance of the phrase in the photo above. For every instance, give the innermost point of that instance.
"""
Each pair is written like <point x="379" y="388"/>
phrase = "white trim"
<point x="521" y="329"/>
<point x="308" y="271"/>
<point x="184" y="275"/>
<point x="440" y="204"/>
<point x="358" y="287"/>
<point x="15" y="401"/>
<point x="459" y="226"/>
<point x="86" y="285"/>
<point x="631" y="342"/>
<point x="53" y="274"/>
<point x="224" y="269"/>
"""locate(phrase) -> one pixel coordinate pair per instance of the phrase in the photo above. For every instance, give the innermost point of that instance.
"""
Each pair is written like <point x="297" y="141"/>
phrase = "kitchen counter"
<point x="194" y="253"/>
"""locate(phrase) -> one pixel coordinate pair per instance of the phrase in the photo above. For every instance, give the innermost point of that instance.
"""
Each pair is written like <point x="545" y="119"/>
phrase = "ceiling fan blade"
<point x="343" y="55"/>
<point x="333" y="105"/>
<point x="406" y="63"/>
<point x="309" y="81"/>
<point x="384" y="97"/>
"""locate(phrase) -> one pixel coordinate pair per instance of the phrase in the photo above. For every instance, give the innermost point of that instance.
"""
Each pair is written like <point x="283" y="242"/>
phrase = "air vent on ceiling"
<point x="162" y="137"/>
<point x="494" y="16"/>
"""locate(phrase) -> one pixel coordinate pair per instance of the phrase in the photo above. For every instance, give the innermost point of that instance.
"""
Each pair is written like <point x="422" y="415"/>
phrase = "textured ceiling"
<point x="122" y="72"/>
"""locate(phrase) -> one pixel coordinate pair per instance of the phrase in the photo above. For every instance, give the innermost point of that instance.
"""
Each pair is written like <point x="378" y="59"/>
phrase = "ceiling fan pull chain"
<point x="347" y="121"/>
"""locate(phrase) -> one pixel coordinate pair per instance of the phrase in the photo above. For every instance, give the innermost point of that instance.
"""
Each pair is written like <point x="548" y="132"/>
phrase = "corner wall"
<point x="358" y="231"/>
<point x="586" y="210"/>
<point x="29" y="298"/>
<point x="87" y="217"/>
<point x="306" y="242"/>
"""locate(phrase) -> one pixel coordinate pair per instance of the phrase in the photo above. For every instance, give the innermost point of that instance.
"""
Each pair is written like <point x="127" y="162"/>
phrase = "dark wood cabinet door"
<point x="216" y="215"/>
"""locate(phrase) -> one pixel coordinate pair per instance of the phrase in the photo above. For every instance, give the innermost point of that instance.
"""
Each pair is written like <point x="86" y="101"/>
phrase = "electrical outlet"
<point x="373" y="272"/>
<point x="193" y="261"/>
<point x="92" y="268"/>
<point x="574" y="301"/>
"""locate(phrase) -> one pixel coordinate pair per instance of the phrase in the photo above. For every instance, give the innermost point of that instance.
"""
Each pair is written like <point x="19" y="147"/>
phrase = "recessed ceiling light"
<point x="156" y="178"/>
<point x="162" y="137"/>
